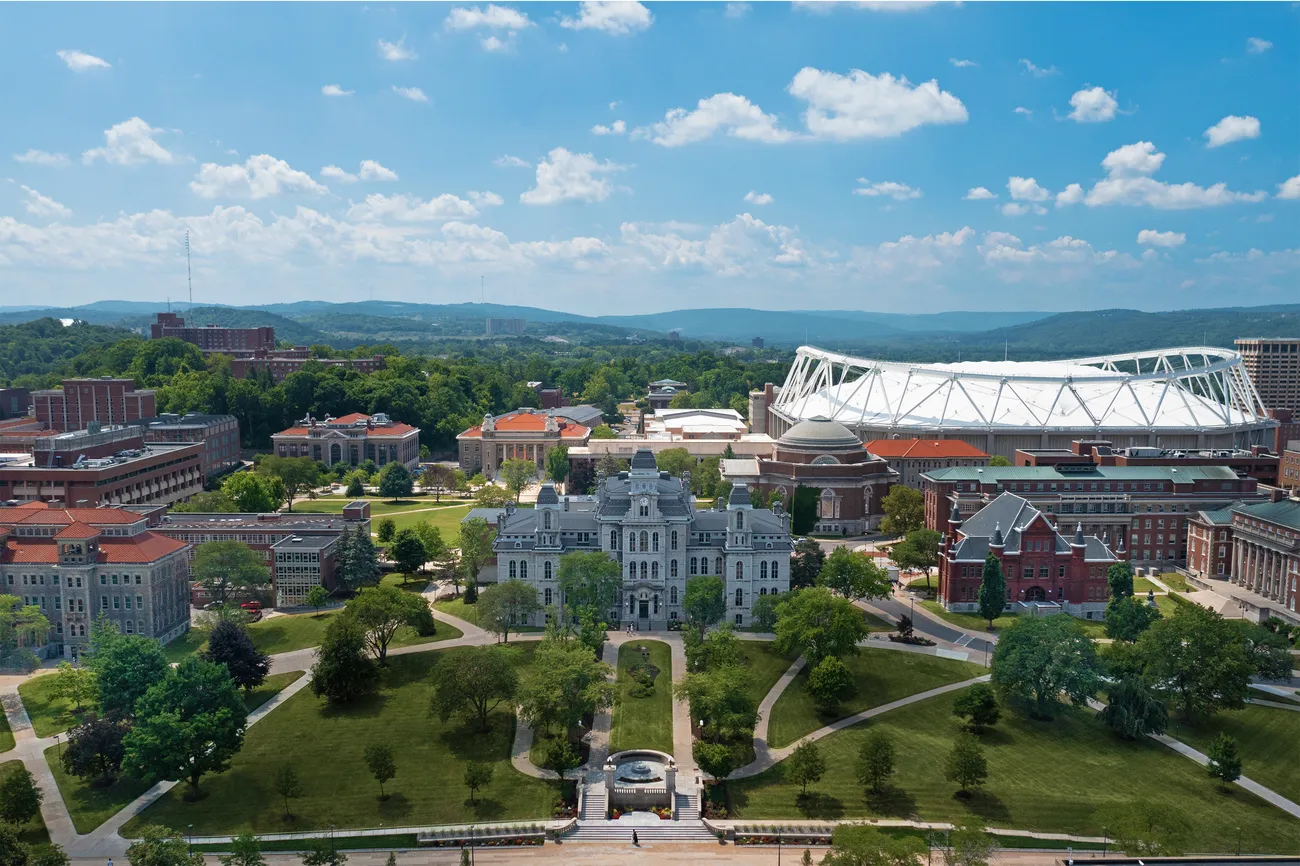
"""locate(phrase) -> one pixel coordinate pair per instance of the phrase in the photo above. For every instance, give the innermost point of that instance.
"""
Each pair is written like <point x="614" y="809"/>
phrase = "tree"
<point x="978" y="705"/>
<point x="803" y="510"/>
<point x="992" y="593"/>
<point x="189" y="724"/>
<point x="20" y="799"/>
<point x="564" y="683"/>
<point x="966" y="764"/>
<point x="321" y="852"/>
<point x="379" y="760"/>
<point x="407" y="553"/>
<point x="721" y="699"/>
<point x="317" y="597"/>
<point x="763" y="613"/>
<point x="865" y="845"/>
<point x="244" y="851"/>
<point x="806" y="563"/>
<point x="159" y="846"/>
<point x="853" y="575"/>
<point x="253" y="493"/>
<point x="288" y="787"/>
<point x="603" y="431"/>
<point x="557" y="463"/>
<point x="343" y="672"/>
<point x="1127" y="618"/>
<point x="229" y="644"/>
<point x="395" y="481"/>
<point x="95" y="749"/>
<point x="518" y="473"/>
<point x="507" y="604"/>
<point x="1268" y="651"/>
<point x="590" y="580"/>
<point x="904" y="510"/>
<point x="478" y="774"/>
<point x="74" y="684"/>
<point x="125" y="667"/>
<point x="675" y="461"/>
<point x="224" y="568"/>
<point x="1040" y="658"/>
<point x="719" y="760"/>
<point x="819" y="624"/>
<point x="356" y="485"/>
<point x="999" y="460"/>
<point x="358" y="558"/>
<point x="15" y="851"/>
<point x="1120" y="577"/>
<point x="435" y="549"/>
<point x="920" y="549"/>
<point x="491" y="496"/>
<point x="472" y="682"/>
<point x="476" y="537"/>
<point x="560" y="756"/>
<point x="705" y="601"/>
<point x="968" y="844"/>
<point x="387" y="529"/>
<point x="805" y="766"/>
<point x="21" y="625"/>
<point x="830" y="684"/>
<point x="719" y="648"/>
<point x="1199" y="659"/>
<point x="380" y="611"/>
<point x="1142" y="828"/>
<point x="297" y="474"/>
<point x="1224" y="760"/>
<point x="438" y="478"/>
<point x="1133" y="710"/>
<point x="875" y="760"/>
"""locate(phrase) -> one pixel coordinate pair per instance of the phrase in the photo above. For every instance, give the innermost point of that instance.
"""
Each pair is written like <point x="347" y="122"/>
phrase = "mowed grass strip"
<point x="49" y="714"/>
<point x="643" y="722"/>
<point x="325" y="747"/>
<point x="446" y="519"/>
<point x="974" y="622"/>
<point x="765" y="666"/>
<point x="1059" y="776"/>
<point x="881" y="675"/>
<point x="33" y="832"/>
<point x="6" y="735"/>
<point x="1267" y="739"/>
<point x="378" y="504"/>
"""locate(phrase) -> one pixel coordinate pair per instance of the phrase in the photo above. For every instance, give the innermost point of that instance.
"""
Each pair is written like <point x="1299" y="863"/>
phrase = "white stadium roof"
<point x="1187" y="389"/>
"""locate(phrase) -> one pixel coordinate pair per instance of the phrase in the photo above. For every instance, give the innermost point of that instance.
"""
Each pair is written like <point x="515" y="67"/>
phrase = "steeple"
<point x="954" y="516"/>
<point x="997" y="540"/>
<point x="1078" y="536"/>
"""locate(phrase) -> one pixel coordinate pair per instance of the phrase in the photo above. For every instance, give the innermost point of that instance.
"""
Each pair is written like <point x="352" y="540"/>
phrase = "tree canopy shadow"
<point x="367" y="707"/>
<point x="819" y="806"/>
<point x="397" y="806"/>
<point x="892" y="801"/>
<point x="987" y="806"/>
<point x="486" y="809"/>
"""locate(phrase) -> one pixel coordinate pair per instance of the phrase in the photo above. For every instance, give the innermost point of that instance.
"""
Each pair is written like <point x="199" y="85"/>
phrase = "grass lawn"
<point x="1045" y="776"/>
<point x="186" y="645"/>
<point x="379" y="506"/>
<point x="458" y="608"/>
<point x="1141" y="586"/>
<point x="1175" y="581"/>
<point x="270" y="687"/>
<point x="6" y="735"/>
<point x="975" y="622"/>
<point x="643" y="722"/>
<point x="50" y="715"/>
<point x="280" y="634"/>
<point x="765" y="665"/>
<point x="1266" y="739"/>
<point x="882" y="676"/>
<point x="33" y="832"/>
<point x="324" y="744"/>
<point x="446" y="519"/>
<point x="417" y="583"/>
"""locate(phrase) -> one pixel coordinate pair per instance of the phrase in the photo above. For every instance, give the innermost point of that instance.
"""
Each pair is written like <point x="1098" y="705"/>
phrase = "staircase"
<point x="688" y="807"/>
<point x="593" y="804"/>
<point x="617" y="831"/>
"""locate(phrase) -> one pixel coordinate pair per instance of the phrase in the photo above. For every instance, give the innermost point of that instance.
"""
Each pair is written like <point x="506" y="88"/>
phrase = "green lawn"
<point x="643" y="722"/>
<point x="379" y="506"/>
<point x="882" y="676"/>
<point x="186" y="645"/>
<point x="50" y="715"/>
<point x="6" y="735"/>
<point x="324" y="745"/>
<point x="1141" y="586"/>
<point x="1175" y="581"/>
<point x="446" y="519"/>
<point x="270" y="687"/>
<point x="280" y="634"/>
<point x="416" y="583"/>
<point x="1267" y="738"/>
<point x="765" y="665"/>
<point x="33" y="832"/>
<point x="458" y="608"/>
<point x="975" y="622"/>
<point x="1045" y="776"/>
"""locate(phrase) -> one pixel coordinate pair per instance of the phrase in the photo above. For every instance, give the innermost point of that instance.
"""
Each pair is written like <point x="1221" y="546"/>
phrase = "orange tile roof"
<point x="77" y="530"/>
<point x="140" y="549"/>
<point x="395" y="429"/>
<point x="530" y="422"/>
<point x="923" y="448"/>
<point x="40" y="513"/>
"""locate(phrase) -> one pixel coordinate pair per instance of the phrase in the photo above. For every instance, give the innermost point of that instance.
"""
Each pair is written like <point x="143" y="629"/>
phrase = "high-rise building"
<point x="505" y="326"/>
<point x="1274" y="366"/>
<point x="105" y="401"/>
<point x="211" y="338"/>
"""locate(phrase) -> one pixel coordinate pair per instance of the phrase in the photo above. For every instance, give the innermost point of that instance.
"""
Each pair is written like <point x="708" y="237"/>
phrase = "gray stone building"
<point x="646" y="521"/>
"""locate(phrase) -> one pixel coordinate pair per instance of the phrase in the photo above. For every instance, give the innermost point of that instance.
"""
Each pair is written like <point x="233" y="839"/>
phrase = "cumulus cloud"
<point x="1038" y="71"/>
<point x="1093" y="105"/>
<point x="738" y="248"/>
<point x="861" y="105"/>
<point x="563" y="176"/>
<point x="1231" y="128"/>
<point x="485" y="199"/>
<point x="758" y="198"/>
<point x="496" y="45"/>
<point x="1003" y="250"/>
<point x="725" y="113"/>
<point x="962" y="64"/>
<point x="1161" y="239"/>
<point x="335" y="90"/>
<point x="1020" y="109"/>
<point x="42" y="157"/>
<point x="1026" y="189"/>
<point x="371" y="170"/>
<point x="333" y="172"/>
<point x="1020" y="208"/>
<point x="1289" y="188"/>
<point x="825" y="7"/>
<point x="492" y="17"/>
<point x="616" y="17"/>
<point x="911" y="254"/>
<point x="44" y="206"/>
<point x="130" y="142"/>
<point x="508" y="161"/>
<point x="405" y="208"/>
<point x="414" y="94"/>
<point x="396" y="51"/>
<point x="80" y="61"/>
<point x="896" y="191"/>
<point x="978" y="193"/>
<point x="1072" y="194"/>
<point x="618" y="127"/>
<point x="1133" y="159"/>
<point x="1255" y="45"/>
<point x="261" y="176"/>
<point x="1129" y="182"/>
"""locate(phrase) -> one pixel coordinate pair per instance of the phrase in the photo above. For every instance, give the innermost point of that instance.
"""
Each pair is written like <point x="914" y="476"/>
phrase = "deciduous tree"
<point x="380" y="611"/>
<point x="505" y="605"/>
<point x="590" y="581"/>
<point x="830" y="684"/>
<point x="386" y="530"/>
<point x="564" y="683"/>
<point x="20" y="799"/>
<point x="904" y="510"/>
<point x="407" y="554"/>
<point x="1199" y="659"/>
<point x="675" y="461"/>
<point x="228" y="568"/>
<point x="95" y="749"/>
<point x="343" y="672"/>
<point x="395" y="481"/>
<point x="966" y="764"/>
<point x="1039" y="659"/>
<point x="721" y="699"/>
<point x="245" y="850"/>
<point x="1127" y="617"/>
<point x="125" y="667"/>
<point x="230" y="644"/>
<point x="853" y="575"/>
<point x="252" y="492"/>
<point x="557" y="463"/>
<point x="818" y="624"/>
<point x="317" y="597"/>
<point x="438" y="478"/>
<point x="978" y="705"/>
<point x="288" y="787"/>
<point x="806" y="563"/>
<point x="1133" y="710"/>
<point x="1119" y="575"/>
<point x="478" y="774"/>
<point x="969" y="844"/>
<point x="518" y="473"/>
<point x="920" y="549"/>
<point x="805" y="766"/>
<point x="476" y="537"/>
<point x="875" y="763"/>
<point x="472" y="682"/>
<point x="159" y="846"/>
<point x="1224" y="760"/>
<point x="379" y="760"/>
<point x="705" y="601"/>
<point x="296" y="474"/>
<point x="492" y="496"/>
<point x="75" y="684"/>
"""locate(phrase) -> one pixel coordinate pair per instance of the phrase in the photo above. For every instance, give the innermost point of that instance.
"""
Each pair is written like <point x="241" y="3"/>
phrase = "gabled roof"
<point x="525" y="421"/>
<point x="1285" y="512"/>
<point x="919" y="449"/>
<point x="41" y="514"/>
<point x="77" y="530"/>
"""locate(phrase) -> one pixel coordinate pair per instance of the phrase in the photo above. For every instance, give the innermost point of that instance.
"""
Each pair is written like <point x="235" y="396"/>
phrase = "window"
<point x="103" y="579"/>
<point x="116" y="601"/>
<point x="644" y="510"/>
<point x="1060" y="571"/>
<point x="513" y="570"/>
<point x="643" y="571"/>
<point x="139" y="626"/>
<point x="613" y="539"/>
<point x="1044" y="572"/>
<point x="548" y="596"/>
<point x="740" y="598"/>
<point x="740" y="520"/>
<point x="672" y="568"/>
<point x="695" y="566"/>
<point x="1028" y="572"/>
<point x="654" y="570"/>
<point x="645" y="541"/>
<point x="672" y="595"/>
<point x="775" y="566"/>
<point x="762" y="571"/>
<point x="127" y="602"/>
<point x="103" y="602"/>
<point x="129" y="629"/>
<point x="547" y="574"/>
<point x="654" y="543"/>
<point x="631" y="571"/>
<point x="717" y="566"/>
<point x="672" y="540"/>
<point x="523" y="569"/>
<point x="740" y="572"/>
<point x="546" y="520"/>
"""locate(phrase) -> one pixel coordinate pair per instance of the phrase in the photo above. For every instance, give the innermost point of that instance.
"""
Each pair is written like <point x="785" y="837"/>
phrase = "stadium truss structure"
<point x="1193" y="397"/>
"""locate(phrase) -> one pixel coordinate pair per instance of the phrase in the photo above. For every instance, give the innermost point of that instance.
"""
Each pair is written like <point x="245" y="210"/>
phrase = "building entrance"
<point x="643" y="609"/>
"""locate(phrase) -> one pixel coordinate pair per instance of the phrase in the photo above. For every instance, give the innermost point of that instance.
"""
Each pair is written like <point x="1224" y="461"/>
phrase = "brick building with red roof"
<point x="913" y="457"/>
<point x="524" y="433"/>
<point x="76" y="564"/>
<point x="351" y="439"/>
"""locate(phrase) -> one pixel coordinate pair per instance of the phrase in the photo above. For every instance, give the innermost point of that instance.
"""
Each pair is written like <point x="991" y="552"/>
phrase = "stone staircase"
<point x="593" y="827"/>
<point x="688" y="807"/>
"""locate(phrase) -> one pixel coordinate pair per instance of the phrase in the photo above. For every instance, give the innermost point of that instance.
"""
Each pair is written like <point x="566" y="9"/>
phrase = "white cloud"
<point x="485" y="199"/>
<point x="1038" y="71"/>
<point x="508" y="161"/>
<point x="1026" y="189"/>
<point x="1003" y="250"/>
<point x="333" y="172"/>
<point x="261" y="176"/>
<point x="759" y="198"/>
<point x="130" y="142"/>
<point x="896" y="191"/>
<point x="496" y="45"/>
<point x="825" y="7"/>
<point x="616" y="17"/>
<point x="618" y="127"/>
<point x="1133" y="159"/>
<point x="405" y="208"/>
<point x="492" y="16"/>
<point x="1161" y="239"/>
<point x="1255" y="45"/>
<point x="564" y="176"/>
<point x="861" y="105"/>
<point x="42" y="157"/>
<point x="1129" y="182"/>
<point x="80" y="61"/>
<point x="978" y="193"/>
<point x="962" y="64"/>
<point x="335" y="90"/>
<point x="371" y="170"/>
<point x="1231" y="128"/>
<point x="1018" y="208"/>
<point x="912" y="255"/>
<point x="1093" y="105"/>
<point x="1001" y="239"/>
<point x="1020" y="109"/>
<point x="396" y="51"/>
<point x="723" y="112"/>
<point x="1289" y="188"/>
<point x="44" y="206"/>
<point x="737" y="10"/>
<point x="414" y="94"/>
<point x="1072" y="194"/>
<point x="741" y="247"/>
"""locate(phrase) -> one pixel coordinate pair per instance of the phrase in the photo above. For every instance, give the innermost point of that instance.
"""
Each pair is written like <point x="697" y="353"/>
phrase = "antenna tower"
<point x="189" y="279"/>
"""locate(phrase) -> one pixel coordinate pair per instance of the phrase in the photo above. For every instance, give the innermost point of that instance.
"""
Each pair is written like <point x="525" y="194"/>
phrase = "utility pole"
<point x="189" y="278"/>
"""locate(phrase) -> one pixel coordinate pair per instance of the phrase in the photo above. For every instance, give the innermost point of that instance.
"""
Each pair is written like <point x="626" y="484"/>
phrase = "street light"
<point x="190" y="838"/>
<point x="58" y="745"/>
<point x="1105" y="840"/>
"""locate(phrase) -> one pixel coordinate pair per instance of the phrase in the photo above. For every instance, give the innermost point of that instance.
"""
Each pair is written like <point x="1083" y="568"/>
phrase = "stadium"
<point x="1191" y="398"/>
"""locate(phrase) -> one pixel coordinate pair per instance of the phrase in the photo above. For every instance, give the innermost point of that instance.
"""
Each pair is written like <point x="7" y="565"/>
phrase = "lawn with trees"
<point x="31" y="831"/>
<point x="643" y="716"/>
<point x="1266" y="737"/>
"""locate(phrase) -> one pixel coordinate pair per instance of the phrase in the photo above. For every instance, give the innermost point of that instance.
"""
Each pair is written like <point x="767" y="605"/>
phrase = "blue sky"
<point x="615" y="157"/>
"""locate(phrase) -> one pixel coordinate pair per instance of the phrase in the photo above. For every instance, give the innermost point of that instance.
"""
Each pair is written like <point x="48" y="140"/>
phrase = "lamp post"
<point x="1238" y="841"/>
<point x="189" y="838"/>
<point x="1105" y="840"/>
<point x="58" y="745"/>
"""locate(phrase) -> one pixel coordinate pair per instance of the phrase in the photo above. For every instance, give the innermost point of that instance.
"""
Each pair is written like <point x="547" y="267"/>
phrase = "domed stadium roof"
<point x="822" y="433"/>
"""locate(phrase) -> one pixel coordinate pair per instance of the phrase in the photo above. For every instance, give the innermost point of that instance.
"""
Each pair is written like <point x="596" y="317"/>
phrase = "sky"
<point x="626" y="158"/>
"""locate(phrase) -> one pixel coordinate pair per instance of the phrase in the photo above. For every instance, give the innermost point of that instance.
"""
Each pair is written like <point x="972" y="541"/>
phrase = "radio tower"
<point x="189" y="279"/>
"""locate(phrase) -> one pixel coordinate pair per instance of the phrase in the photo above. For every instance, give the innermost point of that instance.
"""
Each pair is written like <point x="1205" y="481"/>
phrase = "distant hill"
<point x="953" y="322"/>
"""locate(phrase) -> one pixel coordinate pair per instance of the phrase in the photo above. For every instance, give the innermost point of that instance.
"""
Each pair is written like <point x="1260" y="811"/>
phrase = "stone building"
<point x="352" y="439"/>
<point x="1266" y="550"/>
<point x="527" y="434"/>
<point x="646" y="521"/>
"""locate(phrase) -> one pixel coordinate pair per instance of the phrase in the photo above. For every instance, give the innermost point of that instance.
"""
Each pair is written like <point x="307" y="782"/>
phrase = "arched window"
<point x="762" y="590"/>
<point x="695" y="566"/>
<point x="740" y="520"/>
<point x="513" y="575"/>
<point x="631" y="602"/>
<point x="704" y="565"/>
<point x="672" y="595"/>
<point x="644" y="509"/>
<point x="613" y="539"/>
<point x="672" y="540"/>
<point x="740" y="598"/>
<point x="523" y="569"/>
<point x="643" y="571"/>
<point x="548" y="596"/>
<point x="631" y="540"/>
<point x="645" y="541"/>
<point x="775" y="568"/>
<point x="762" y="571"/>
<point x="631" y="571"/>
<point x="654" y="570"/>
<point x="546" y="520"/>
<point x="546" y="573"/>
<point x="654" y="543"/>
<point x="717" y="566"/>
<point x="672" y="568"/>
<point x="740" y="571"/>
<point x="656" y="602"/>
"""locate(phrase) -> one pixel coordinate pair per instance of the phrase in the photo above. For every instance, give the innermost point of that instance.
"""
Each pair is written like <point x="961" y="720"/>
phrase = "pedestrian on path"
<point x="635" y="841"/>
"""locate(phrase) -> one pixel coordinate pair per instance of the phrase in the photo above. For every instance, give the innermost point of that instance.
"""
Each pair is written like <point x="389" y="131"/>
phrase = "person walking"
<point x="635" y="841"/>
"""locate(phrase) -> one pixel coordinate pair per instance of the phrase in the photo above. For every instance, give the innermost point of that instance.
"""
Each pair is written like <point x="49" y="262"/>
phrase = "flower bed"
<point x="663" y="812"/>
<point x="807" y="839"/>
<point x="529" y="841"/>
<point x="914" y="640"/>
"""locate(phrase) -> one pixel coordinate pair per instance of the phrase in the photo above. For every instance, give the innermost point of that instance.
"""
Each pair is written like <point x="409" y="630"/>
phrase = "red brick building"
<point x="218" y="434"/>
<point x="911" y="458"/>
<point x="283" y="362"/>
<point x="1044" y="571"/>
<point x="105" y="401"/>
<point x="1289" y="468"/>
<point x="14" y="402"/>
<point x="352" y="439"/>
<point x="211" y="338"/>
<point x="1256" y="462"/>
<point x="1209" y="543"/>
<point x="1288" y="429"/>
